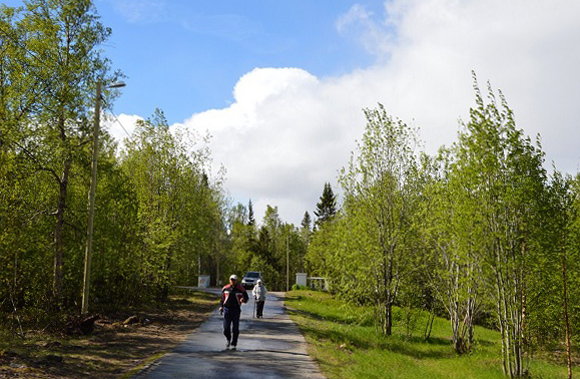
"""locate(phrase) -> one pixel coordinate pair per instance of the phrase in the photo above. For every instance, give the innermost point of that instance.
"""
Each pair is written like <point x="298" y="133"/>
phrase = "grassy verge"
<point x="115" y="349"/>
<point x="344" y="341"/>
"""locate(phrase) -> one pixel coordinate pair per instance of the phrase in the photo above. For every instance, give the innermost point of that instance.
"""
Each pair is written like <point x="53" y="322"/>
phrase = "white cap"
<point x="234" y="277"/>
<point x="259" y="280"/>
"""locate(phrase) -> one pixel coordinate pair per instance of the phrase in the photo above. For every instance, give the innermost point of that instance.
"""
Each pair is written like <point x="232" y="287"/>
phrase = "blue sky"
<point x="280" y="85"/>
<point x="186" y="56"/>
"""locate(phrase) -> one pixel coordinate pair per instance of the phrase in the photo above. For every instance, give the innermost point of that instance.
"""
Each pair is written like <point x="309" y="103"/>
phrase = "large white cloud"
<point x="280" y="140"/>
<point x="288" y="132"/>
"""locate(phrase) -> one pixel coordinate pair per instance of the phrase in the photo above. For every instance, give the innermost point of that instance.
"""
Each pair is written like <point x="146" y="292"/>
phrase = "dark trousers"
<point x="232" y="325"/>
<point x="260" y="308"/>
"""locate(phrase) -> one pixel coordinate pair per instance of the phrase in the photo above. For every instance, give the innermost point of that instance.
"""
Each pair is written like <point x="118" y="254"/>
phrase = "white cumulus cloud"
<point x="279" y="140"/>
<point x="288" y="132"/>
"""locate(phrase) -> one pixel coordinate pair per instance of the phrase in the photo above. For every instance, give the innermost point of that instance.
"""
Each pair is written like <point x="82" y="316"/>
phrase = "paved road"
<point x="271" y="347"/>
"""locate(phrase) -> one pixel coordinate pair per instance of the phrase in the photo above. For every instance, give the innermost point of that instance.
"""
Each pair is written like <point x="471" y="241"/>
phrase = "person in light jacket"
<point x="259" y="293"/>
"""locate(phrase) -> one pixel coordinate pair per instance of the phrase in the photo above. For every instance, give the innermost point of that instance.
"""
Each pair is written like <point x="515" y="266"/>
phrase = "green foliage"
<point x="270" y="249"/>
<point x="178" y="215"/>
<point x="478" y="231"/>
<point x="159" y="217"/>
<point x="325" y="208"/>
<point x="296" y="287"/>
<point x="500" y="171"/>
<point x="344" y="341"/>
<point x="49" y="65"/>
<point x="374" y="248"/>
<point x="477" y="234"/>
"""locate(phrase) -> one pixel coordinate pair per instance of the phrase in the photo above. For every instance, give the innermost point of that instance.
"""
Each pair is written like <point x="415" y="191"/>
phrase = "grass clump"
<point x="345" y="342"/>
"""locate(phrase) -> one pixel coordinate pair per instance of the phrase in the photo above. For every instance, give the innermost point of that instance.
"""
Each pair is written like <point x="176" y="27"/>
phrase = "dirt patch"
<point x="118" y="346"/>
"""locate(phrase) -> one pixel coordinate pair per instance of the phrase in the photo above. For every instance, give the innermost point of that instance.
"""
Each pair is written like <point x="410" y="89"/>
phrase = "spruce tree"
<point x="251" y="220"/>
<point x="306" y="230"/>
<point x="326" y="207"/>
<point x="306" y="221"/>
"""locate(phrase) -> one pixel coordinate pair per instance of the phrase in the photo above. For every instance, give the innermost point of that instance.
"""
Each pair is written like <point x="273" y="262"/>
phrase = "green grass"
<point x="343" y="340"/>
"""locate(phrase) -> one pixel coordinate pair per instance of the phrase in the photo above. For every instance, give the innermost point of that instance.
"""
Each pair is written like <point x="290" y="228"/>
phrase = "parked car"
<point x="249" y="280"/>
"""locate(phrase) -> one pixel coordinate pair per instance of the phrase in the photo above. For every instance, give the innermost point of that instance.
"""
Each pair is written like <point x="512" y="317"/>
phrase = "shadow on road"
<point x="271" y="347"/>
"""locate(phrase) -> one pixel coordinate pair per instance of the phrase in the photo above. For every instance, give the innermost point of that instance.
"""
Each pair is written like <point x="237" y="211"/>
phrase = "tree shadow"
<point x="414" y="347"/>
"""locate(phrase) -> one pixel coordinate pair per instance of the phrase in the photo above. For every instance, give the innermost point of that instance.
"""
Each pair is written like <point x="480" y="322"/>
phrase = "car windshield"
<point x="252" y="275"/>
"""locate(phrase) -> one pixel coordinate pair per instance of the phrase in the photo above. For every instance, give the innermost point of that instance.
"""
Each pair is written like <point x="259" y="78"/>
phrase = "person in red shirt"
<point x="233" y="295"/>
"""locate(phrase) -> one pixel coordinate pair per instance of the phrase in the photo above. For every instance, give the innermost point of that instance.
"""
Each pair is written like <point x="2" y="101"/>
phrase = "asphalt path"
<point x="271" y="347"/>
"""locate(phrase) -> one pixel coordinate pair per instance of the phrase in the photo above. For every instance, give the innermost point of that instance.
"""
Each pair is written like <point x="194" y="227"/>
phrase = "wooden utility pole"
<point x="89" y="246"/>
<point x="566" y="316"/>
<point x="287" y="263"/>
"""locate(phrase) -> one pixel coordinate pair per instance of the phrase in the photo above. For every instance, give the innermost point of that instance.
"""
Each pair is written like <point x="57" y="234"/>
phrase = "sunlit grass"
<point x="344" y="341"/>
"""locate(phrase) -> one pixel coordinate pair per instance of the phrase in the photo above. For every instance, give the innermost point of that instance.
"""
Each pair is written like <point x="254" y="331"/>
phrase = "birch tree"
<point x="450" y="220"/>
<point x="379" y="201"/>
<point x="553" y="313"/>
<point x="504" y="172"/>
<point x="50" y="70"/>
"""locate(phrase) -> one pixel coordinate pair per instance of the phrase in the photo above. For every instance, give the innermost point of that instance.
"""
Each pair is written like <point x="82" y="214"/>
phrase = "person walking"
<point x="233" y="295"/>
<point x="259" y="293"/>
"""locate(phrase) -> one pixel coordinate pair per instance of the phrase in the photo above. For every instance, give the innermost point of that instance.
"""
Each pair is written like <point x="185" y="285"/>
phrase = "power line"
<point x="117" y="119"/>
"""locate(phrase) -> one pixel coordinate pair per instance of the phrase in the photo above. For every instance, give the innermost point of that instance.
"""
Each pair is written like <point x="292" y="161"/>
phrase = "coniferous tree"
<point x="326" y="207"/>
<point x="306" y="221"/>
<point x="251" y="219"/>
<point x="305" y="236"/>
<point x="306" y="229"/>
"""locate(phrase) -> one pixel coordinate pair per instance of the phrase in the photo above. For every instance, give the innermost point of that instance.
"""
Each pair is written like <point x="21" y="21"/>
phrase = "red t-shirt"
<point x="233" y="296"/>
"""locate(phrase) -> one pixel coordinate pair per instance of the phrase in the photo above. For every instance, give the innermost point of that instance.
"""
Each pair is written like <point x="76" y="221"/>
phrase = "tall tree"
<point x="554" y="270"/>
<point x="158" y="207"/>
<point x="449" y="226"/>
<point x="60" y="50"/>
<point x="326" y="207"/>
<point x="562" y="217"/>
<point x="306" y="221"/>
<point x="380" y="197"/>
<point x="240" y="239"/>
<point x="306" y="228"/>
<point x="180" y="214"/>
<point x="502" y="170"/>
<point x="305" y="237"/>
<point x="251" y="218"/>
